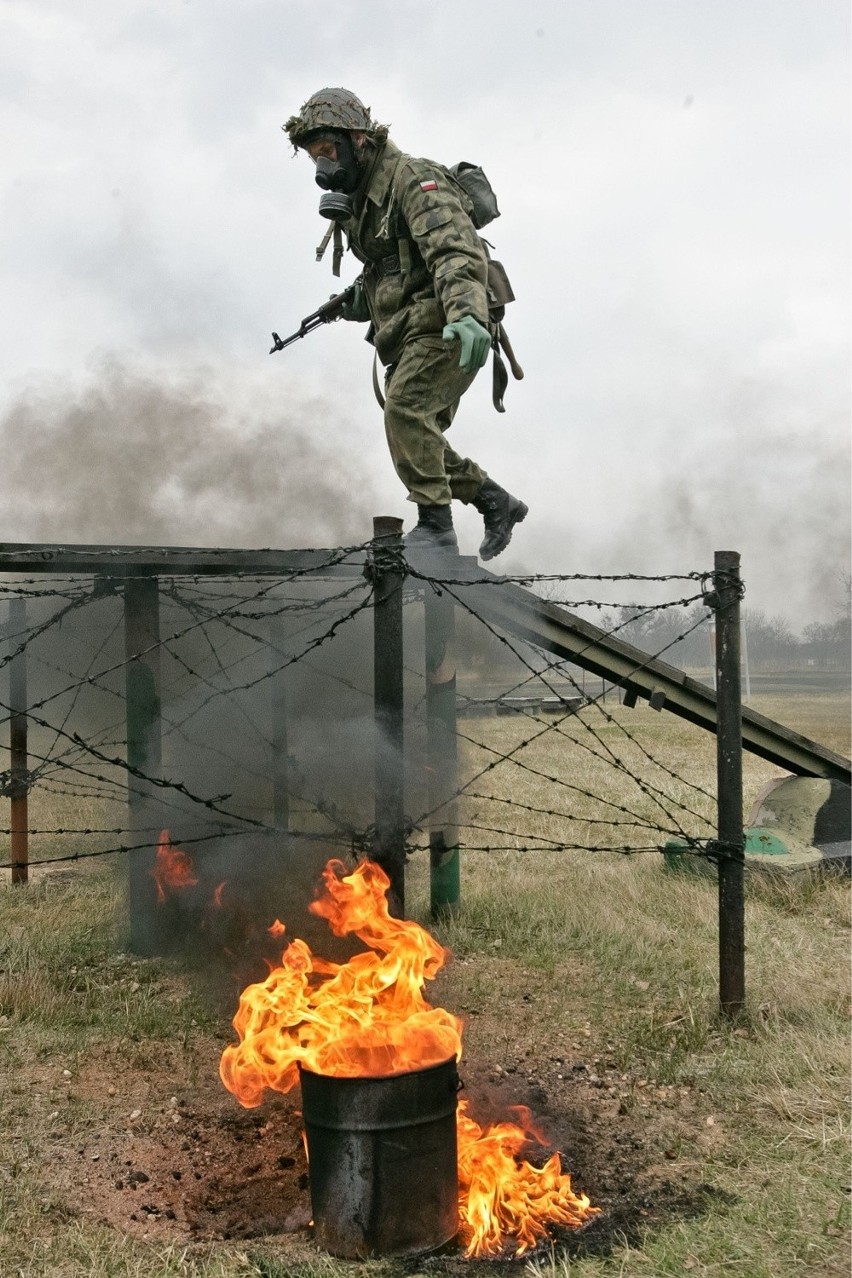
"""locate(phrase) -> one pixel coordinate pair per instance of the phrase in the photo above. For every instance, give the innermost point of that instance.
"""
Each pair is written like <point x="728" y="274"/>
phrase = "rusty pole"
<point x="18" y="745"/>
<point x="725" y="600"/>
<point x="442" y="752"/>
<point x="144" y="750"/>
<point x="388" y="572"/>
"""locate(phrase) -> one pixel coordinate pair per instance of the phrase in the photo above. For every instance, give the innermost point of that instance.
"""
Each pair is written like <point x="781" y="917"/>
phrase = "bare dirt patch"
<point x="136" y="1147"/>
<point x="159" y="1159"/>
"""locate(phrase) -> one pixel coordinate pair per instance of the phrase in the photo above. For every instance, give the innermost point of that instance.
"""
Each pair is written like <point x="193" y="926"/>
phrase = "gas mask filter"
<point x="338" y="178"/>
<point x="336" y="205"/>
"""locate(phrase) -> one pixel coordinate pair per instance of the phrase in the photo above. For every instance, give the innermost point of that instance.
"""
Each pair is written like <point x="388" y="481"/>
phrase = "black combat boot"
<point x="433" y="530"/>
<point x="501" y="511"/>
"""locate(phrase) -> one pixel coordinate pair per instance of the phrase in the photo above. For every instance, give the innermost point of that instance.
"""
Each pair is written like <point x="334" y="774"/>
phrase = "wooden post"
<point x="442" y="752"/>
<point x="729" y="772"/>
<point x="144" y="736"/>
<point x="388" y="576"/>
<point x="18" y="745"/>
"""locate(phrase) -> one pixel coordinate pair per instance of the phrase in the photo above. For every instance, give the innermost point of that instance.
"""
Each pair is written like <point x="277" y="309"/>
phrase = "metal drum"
<point x="382" y="1160"/>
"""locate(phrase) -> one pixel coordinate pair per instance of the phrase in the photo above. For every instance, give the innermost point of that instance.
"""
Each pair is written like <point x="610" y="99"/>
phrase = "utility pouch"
<point x="499" y="290"/>
<point x="479" y="191"/>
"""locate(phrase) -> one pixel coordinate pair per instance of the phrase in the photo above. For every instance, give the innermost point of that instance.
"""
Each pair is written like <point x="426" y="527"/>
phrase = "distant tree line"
<point x="684" y="637"/>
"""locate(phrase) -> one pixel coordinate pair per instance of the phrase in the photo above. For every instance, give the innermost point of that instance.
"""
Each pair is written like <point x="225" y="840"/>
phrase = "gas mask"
<point x="338" y="179"/>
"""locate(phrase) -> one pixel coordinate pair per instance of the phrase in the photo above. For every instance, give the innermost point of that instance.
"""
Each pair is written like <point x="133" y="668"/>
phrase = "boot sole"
<point x="431" y="543"/>
<point x="516" y="516"/>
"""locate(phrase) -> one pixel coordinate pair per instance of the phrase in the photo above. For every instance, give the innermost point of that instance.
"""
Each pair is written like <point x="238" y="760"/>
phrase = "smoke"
<point x="781" y="501"/>
<point x="200" y="457"/>
<point x="185" y="458"/>
<point x="247" y="668"/>
<point x="755" y="464"/>
<point x="197" y="457"/>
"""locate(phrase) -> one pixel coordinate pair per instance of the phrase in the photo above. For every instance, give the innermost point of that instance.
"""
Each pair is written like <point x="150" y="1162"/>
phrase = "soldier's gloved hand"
<point x="475" y="341"/>
<point x="357" y="309"/>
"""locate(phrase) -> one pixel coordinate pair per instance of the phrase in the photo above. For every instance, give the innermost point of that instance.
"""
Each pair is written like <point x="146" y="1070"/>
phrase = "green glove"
<point x="357" y="309"/>
<point x="475" y="341"/>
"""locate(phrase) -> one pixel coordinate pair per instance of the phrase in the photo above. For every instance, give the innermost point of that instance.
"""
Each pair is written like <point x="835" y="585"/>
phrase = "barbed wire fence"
<point x="70" y="763"/>
<point x="259" y="717"/>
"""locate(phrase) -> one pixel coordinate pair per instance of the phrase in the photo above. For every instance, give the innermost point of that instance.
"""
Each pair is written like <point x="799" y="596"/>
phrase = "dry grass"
<point x="600" y="958"/>
<point x="610" y="777"/>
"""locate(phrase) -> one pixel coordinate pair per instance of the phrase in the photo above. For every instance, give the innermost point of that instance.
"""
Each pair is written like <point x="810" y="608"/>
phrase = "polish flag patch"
<point x="429" y="185"/>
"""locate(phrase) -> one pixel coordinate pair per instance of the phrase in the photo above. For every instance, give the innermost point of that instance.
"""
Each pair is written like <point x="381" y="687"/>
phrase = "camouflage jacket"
<point x="425" y="265"/>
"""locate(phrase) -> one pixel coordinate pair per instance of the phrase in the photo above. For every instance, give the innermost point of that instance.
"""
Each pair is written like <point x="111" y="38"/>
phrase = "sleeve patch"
<point x="429" y="184"/>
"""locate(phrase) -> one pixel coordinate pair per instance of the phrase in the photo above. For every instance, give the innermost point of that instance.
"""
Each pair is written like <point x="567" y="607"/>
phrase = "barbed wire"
<point x="291" y="660"/>
<point x="70" y="755"/>
<point x="616" y="723"/>
<point x="155" y="646"/>
<point x="627" y="850"/>
<point x="509" y="756"/>
<point x="636" y="823"/>
<point x="707" y="848"/>
<point x="308" y="836"/>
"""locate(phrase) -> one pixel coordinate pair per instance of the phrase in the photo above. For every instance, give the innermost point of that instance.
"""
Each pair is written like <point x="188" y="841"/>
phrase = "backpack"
<point x="481" y="203"/>
<point x="479" y="191"/>
<point x="484" y="210"/>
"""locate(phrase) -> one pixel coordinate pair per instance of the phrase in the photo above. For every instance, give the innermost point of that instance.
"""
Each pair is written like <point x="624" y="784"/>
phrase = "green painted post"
<point x="442" y="752"/>
<point x="144" y="752"/>
<point x="278" y="709"/>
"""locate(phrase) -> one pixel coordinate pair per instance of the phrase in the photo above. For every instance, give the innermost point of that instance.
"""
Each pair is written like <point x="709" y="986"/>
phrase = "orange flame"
<point x="364" y="1017"/>
<point x="368" y="1017"/>
<point x="276" y="929"/>
<point x="172" y="868"/>
<point x="217" y="894"/>
<point x="501" y="1196"/>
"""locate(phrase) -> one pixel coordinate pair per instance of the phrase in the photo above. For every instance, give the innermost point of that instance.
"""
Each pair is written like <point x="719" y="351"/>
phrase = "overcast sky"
<point x="674" y="182"/>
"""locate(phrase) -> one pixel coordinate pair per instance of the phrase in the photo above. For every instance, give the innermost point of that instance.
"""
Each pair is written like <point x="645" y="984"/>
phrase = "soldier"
<point x="423" y="291"/>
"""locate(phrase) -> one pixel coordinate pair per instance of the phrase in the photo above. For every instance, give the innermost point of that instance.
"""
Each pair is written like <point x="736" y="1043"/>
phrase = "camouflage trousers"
<point x="422" y="392"/>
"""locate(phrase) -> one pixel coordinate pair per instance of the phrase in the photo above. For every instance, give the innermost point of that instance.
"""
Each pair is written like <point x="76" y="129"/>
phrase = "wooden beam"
<point x="150" y="561"/>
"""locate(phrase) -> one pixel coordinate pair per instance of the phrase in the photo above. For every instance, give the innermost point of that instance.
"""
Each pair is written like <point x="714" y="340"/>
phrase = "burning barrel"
<point x="382" y="1160"/>
<point x="395" y="1164"/>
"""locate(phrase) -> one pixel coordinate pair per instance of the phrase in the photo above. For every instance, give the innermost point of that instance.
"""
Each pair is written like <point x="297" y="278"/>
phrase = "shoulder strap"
<point x="388" y="224"/>
<point x="337" y="255"/>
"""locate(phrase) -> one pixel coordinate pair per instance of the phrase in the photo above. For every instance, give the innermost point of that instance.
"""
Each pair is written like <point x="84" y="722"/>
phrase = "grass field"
<point x="588" y="987"/>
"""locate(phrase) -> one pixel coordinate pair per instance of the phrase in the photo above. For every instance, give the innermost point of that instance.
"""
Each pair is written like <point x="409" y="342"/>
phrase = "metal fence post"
<point x="144" y="750"/>
<point x="442" y="750"/>
<point x="278" y="710"/>
<point x="18" y="744"/>
<point x="388" y="569"/>
<point x="729" y="771"/>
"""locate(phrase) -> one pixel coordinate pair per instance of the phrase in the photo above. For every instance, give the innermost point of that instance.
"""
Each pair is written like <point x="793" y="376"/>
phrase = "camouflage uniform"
<point x="425" y="267"/>
<point x="409" y="222"/>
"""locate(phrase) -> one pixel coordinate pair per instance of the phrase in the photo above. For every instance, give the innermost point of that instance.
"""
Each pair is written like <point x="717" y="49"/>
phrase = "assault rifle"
<point x="325" y="314"/>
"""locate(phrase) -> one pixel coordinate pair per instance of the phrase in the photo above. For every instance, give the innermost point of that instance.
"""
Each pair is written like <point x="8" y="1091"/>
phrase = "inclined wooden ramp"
<point x="547" y="625"/>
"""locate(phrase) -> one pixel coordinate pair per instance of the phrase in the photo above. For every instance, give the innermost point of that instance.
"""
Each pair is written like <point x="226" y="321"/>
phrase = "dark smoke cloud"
<point x="178" y="458"/>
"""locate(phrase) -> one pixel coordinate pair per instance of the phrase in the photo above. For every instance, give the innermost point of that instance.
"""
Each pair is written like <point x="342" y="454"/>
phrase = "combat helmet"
<point x="327" y="109"/>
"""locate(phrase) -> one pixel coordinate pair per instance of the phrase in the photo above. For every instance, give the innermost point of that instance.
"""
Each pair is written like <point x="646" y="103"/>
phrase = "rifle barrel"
<point x="326" y="314"/>
<point x="280" y="343"/>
